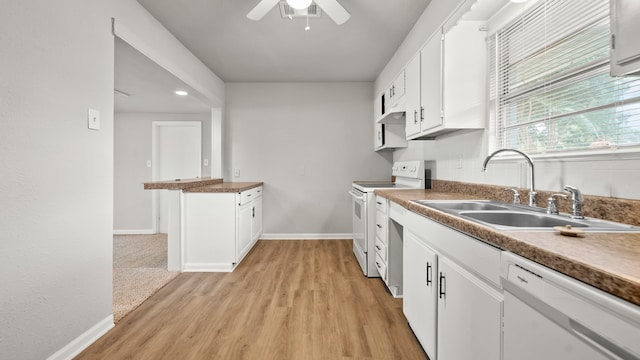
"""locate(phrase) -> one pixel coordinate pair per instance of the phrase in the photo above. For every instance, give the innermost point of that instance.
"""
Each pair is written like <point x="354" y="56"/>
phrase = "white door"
<point x="177" y="153"/>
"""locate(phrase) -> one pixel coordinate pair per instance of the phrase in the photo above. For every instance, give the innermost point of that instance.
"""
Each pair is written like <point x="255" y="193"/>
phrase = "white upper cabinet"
<point x="412" y="96"/>
<point x="452" y="82"/>
<point x="397" y="90"/>
<point x="625" y="47"/>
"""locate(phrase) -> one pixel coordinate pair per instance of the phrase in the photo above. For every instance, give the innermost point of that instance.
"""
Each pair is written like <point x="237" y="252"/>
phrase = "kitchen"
<point x="458" y="158"/>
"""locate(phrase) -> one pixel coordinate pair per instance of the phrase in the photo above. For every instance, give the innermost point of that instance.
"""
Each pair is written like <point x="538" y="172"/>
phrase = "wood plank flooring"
<point x="287" y="300"/>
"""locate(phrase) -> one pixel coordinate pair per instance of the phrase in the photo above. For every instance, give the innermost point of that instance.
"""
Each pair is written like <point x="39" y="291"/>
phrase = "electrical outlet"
<point x="148" y="163"/>
<point x="205" y="162"/>
<point x="93" y="119"/>
<point x="459" y="161"/>
<point x="236" y="173"/>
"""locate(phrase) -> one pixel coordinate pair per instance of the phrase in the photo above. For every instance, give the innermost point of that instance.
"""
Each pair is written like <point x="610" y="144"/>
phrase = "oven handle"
<point x="356" y="195"/>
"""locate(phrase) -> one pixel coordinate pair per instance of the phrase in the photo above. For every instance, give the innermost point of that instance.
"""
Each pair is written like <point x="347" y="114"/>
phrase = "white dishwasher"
<point x="548" y="315"/>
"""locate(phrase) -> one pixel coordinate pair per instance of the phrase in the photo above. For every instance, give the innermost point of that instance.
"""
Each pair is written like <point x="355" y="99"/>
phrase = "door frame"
<point x="155" y="127"/>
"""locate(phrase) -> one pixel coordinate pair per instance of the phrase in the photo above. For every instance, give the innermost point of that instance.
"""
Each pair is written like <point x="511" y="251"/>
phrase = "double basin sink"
<point x="515" y="217"/>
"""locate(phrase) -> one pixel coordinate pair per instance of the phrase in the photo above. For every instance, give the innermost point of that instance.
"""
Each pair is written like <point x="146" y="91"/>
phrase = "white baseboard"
<point x="80" y="343"/>
<point x="134" y="232"/>
<point x="208" y="267"/>
<point x="348" y="236"/>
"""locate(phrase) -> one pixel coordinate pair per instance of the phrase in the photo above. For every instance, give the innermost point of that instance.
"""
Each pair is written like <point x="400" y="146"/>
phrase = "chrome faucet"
<point x="516" y="195"/>
<point x="552" y="203"/>
<point x="532" y="192"/>
<point x="576" y="201"/>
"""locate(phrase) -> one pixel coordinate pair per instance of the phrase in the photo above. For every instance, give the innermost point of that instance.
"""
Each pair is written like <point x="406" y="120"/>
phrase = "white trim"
<point x="337" y="236"/>
<point x="208" y="267"/>
<point x="134" y="232"/>
<point x="83" y="341"/>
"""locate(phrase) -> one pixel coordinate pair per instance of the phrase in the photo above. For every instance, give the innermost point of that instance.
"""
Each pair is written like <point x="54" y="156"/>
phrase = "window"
<point x="550" y="88"/>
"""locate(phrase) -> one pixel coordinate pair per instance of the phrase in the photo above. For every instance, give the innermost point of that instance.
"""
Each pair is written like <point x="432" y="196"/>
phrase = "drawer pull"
<point x="442" y="281"/>
<point x="378" y="247"/>
<point x="379" y="226"/>
<point x="429" y="274"/>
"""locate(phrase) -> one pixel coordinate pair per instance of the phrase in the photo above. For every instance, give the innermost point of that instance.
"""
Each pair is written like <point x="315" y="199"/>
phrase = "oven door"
<point x="359" y="215"/>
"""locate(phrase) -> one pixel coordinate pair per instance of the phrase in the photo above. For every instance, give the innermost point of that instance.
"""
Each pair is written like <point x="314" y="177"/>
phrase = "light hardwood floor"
<point x="286" y="300"/>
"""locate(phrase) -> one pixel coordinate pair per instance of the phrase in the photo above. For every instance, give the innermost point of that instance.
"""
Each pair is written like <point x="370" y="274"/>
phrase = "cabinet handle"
<point x="253" y="212"/>
<point x="378" y="202"/>
<point x="429" y="274"/>
<point x="378" y="247"/>
<point x="415" y="116"/>
<point x="377" y="265"/>
<point x="421" y="113"/>
<point x="379" y="226"/>
<point x="442" y="282"/>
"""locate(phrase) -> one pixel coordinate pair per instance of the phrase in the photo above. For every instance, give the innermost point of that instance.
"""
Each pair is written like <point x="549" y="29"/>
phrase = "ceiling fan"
<point x="330" y="7"/>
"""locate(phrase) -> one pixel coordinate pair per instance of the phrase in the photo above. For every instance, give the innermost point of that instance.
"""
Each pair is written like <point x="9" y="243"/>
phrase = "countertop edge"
<point x="515" y="242"/>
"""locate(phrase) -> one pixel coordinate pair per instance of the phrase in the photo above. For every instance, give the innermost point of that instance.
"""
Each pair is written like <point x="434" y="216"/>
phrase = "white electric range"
<point x="408" y="175"/>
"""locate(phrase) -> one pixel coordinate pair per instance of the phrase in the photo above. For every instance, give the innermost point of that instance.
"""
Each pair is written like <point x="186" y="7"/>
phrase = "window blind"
<point x="550" y="88"/>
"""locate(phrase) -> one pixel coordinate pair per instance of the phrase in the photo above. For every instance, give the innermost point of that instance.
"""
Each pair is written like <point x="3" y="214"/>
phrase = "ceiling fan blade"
<point x="335" y="11"/>
<point x="263" y="7"/>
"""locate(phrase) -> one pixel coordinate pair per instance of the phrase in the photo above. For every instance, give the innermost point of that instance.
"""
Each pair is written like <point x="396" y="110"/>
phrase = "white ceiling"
<point x="275" y="49"/>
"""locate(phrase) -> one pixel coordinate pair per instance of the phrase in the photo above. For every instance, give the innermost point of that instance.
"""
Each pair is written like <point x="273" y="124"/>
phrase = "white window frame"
<point x="506" y="16"/>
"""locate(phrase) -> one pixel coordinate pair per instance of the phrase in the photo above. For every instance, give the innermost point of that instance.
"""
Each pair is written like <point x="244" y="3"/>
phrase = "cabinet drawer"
<point x="381" y="226"/>
<point x="382" y="268"/>
<point x="381" y="204"/>
<point x="249" y="195"/>
<point x="381" y="249"/>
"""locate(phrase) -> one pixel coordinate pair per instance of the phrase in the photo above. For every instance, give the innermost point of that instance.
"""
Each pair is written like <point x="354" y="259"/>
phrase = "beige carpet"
<point x="139" y="270"/>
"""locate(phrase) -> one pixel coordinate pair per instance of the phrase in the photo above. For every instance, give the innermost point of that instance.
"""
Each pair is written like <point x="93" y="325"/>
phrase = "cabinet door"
<point x="431" y="83"/>
<point x="625" y="57"/>
<point x="379" y="140"/>
<point x="469" y="315"/>
<point x="243" y="243"/>
<point x="256" y="224"/>
<point x="399" y="87"/>
<point x="464" y="81"/>
<point x="412" y="97"/>
<point x="420" y="294"/>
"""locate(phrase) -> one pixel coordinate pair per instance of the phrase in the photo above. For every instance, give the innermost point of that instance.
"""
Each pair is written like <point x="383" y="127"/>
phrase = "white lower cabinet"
<point x="469" y="315"/>
<point x="452" y="297"/>
<point x="420" y="294"/>
<point x="220" y="228"/>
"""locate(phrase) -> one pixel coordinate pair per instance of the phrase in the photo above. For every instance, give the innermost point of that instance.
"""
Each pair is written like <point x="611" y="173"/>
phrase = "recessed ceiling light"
<point x="181" y="93"/>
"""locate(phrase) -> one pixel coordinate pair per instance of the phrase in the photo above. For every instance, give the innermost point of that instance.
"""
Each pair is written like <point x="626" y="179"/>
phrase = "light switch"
<point x="93" y="119"/>
<point x="148" y="163"/>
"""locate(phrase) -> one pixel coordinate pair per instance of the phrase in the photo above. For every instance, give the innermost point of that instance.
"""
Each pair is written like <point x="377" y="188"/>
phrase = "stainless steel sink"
<point x="513" y="217"/>
<point x="463" y="205"/>
<point x="520" y="219"/>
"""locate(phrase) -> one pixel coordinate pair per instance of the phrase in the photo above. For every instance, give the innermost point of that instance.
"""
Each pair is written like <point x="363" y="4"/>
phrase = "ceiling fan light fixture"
<point x="299" y="4"/>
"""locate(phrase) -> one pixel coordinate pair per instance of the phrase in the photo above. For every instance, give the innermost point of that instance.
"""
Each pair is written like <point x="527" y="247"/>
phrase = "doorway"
<point x="177" y="154"/>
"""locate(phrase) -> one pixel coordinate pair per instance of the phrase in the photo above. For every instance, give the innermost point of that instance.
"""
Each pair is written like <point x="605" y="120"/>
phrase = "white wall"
<point x="612" y="176"/>
<point x="307" y="142"/>
<point x="132" y="150"/>
<point x="56" y="176"/>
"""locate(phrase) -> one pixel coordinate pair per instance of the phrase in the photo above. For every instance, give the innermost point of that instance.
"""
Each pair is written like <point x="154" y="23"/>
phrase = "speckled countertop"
<point x="608" y="261"/>
<point x="225" y="187"/>
<point x="206" y="185"/>
<point x="180" y="184"/>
